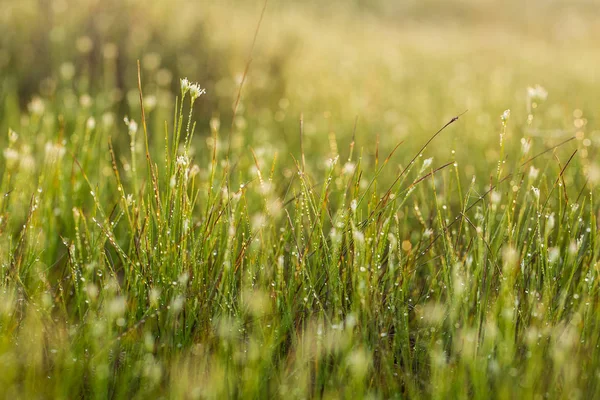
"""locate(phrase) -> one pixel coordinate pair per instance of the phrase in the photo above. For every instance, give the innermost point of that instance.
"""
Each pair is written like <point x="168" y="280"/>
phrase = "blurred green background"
<point x="400" y="68"/>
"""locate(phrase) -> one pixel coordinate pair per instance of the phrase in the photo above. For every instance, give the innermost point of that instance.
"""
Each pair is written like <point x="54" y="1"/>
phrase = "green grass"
<point x="373" y="246"/>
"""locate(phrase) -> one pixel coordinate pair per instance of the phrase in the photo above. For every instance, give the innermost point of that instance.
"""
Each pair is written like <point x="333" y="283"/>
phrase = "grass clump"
<point x="162" y="269"/>
<point x="199" y="250"/>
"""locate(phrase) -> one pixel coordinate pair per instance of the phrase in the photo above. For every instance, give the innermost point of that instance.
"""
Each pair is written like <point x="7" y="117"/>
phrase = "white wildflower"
<point x="330" y="162"/>
<point x="593" y="173"/>
<point x="108" y="119"/>
<point x="54" y="152"/>
<point x="12" y="157"/>
<point x="132" y="126"/>
<point x="348" y="168"/>
<point x="551" y="222"/>
<point x="182" y="161"/>
<point x="335" y="235"/>
<point x="537" y="93"/>
<point x="215" y="124"/>
<point x="27" y="162"/>
<point x="92" y="291"/>
<point x="185" y="85"/>
<point x="525" y="145"/>
<point x="553" y="254"/>
<point x="505" y="115"/>
<point x="116" y="306"/>
<point x="195" y="170"/>
<point x="495" y="197"/>
<point x="426" y="163"/>
<point x="536" y="192"/>
<point x="12" y="136"/>
<point x="196" y="91"/>
<point x="533" y="172"/>
<point x="86" y="101"/>
<point x="258" y="221"/>
<point x="36" y="106"/>
<point x="90" y="123"/>
<point x="177" y="304"/>
<point x="184" y="278"/>
<point x="154" y="296"/>
<point x="150" y="103"/>
<point x="359" y="237"/>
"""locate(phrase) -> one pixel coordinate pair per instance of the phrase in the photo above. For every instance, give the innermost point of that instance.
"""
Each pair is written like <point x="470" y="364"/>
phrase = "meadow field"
<point x="299" y="199"/>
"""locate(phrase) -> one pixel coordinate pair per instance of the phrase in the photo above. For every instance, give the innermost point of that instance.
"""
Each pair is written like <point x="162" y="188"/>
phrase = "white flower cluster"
<point x="182" y="161"/>
<point x="132" y="126"/>
<point x="54" y="152"/>
<point x="193" y="88"/>
<point x="537" y="93"/>
<point x="36" y="106"/>
<point x="426" y="164"/>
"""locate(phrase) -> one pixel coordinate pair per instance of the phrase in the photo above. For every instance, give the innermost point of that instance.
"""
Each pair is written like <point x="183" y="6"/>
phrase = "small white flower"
<point x="27" y="162"/>
<point x="108" y="119"/>
<point x="593" y="173"/>
<point x="12" y="157"/>
<point x="505" y="115"/>
<point x="330" y="162"/>
<point x="150" y="102"/>
<point x="533" y="172"/>
<point x="54" y="152"/>
<point x="426" y="163"/>
<point x="154" y="296"/>
<point x="117" y="306"/>
<point x="495" y="197"/>
<point x="525" y="145"/>
<point x="132" y="126"/>
<point x="90" y="123"/>
<point x="348" y="168"/>
<point x="86" y="101"/>
<point x="553" y="254"/>
<point x="195" y="170"/>
<point x="259" y="220"/>
<point x="215" y="124"/>
<point x="185" y="85"/>
<point x="182" y="161"/>
<point x="92" y="291"/>
<point x="536" y="192"/>
<point x="550" y="224"/>
<point x="36" y="106"/>
<point x="196" y="91"/>
<point x="537" y="93"/>
<point x="12" y="136"/>
<point x="184" y="278"/>
<point x="177" y="303"/>
<point x="359" y="237"/>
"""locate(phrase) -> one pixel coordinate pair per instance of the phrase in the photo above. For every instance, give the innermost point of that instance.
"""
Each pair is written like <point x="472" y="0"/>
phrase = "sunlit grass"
<point x="349" y="231"/>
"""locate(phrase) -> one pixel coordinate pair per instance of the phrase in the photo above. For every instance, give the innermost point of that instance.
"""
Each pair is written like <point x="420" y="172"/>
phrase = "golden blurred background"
<point x="399" y="68"/>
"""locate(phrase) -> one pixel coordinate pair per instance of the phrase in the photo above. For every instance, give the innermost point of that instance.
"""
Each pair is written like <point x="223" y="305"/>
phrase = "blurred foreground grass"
<point x="279" y="251"/>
